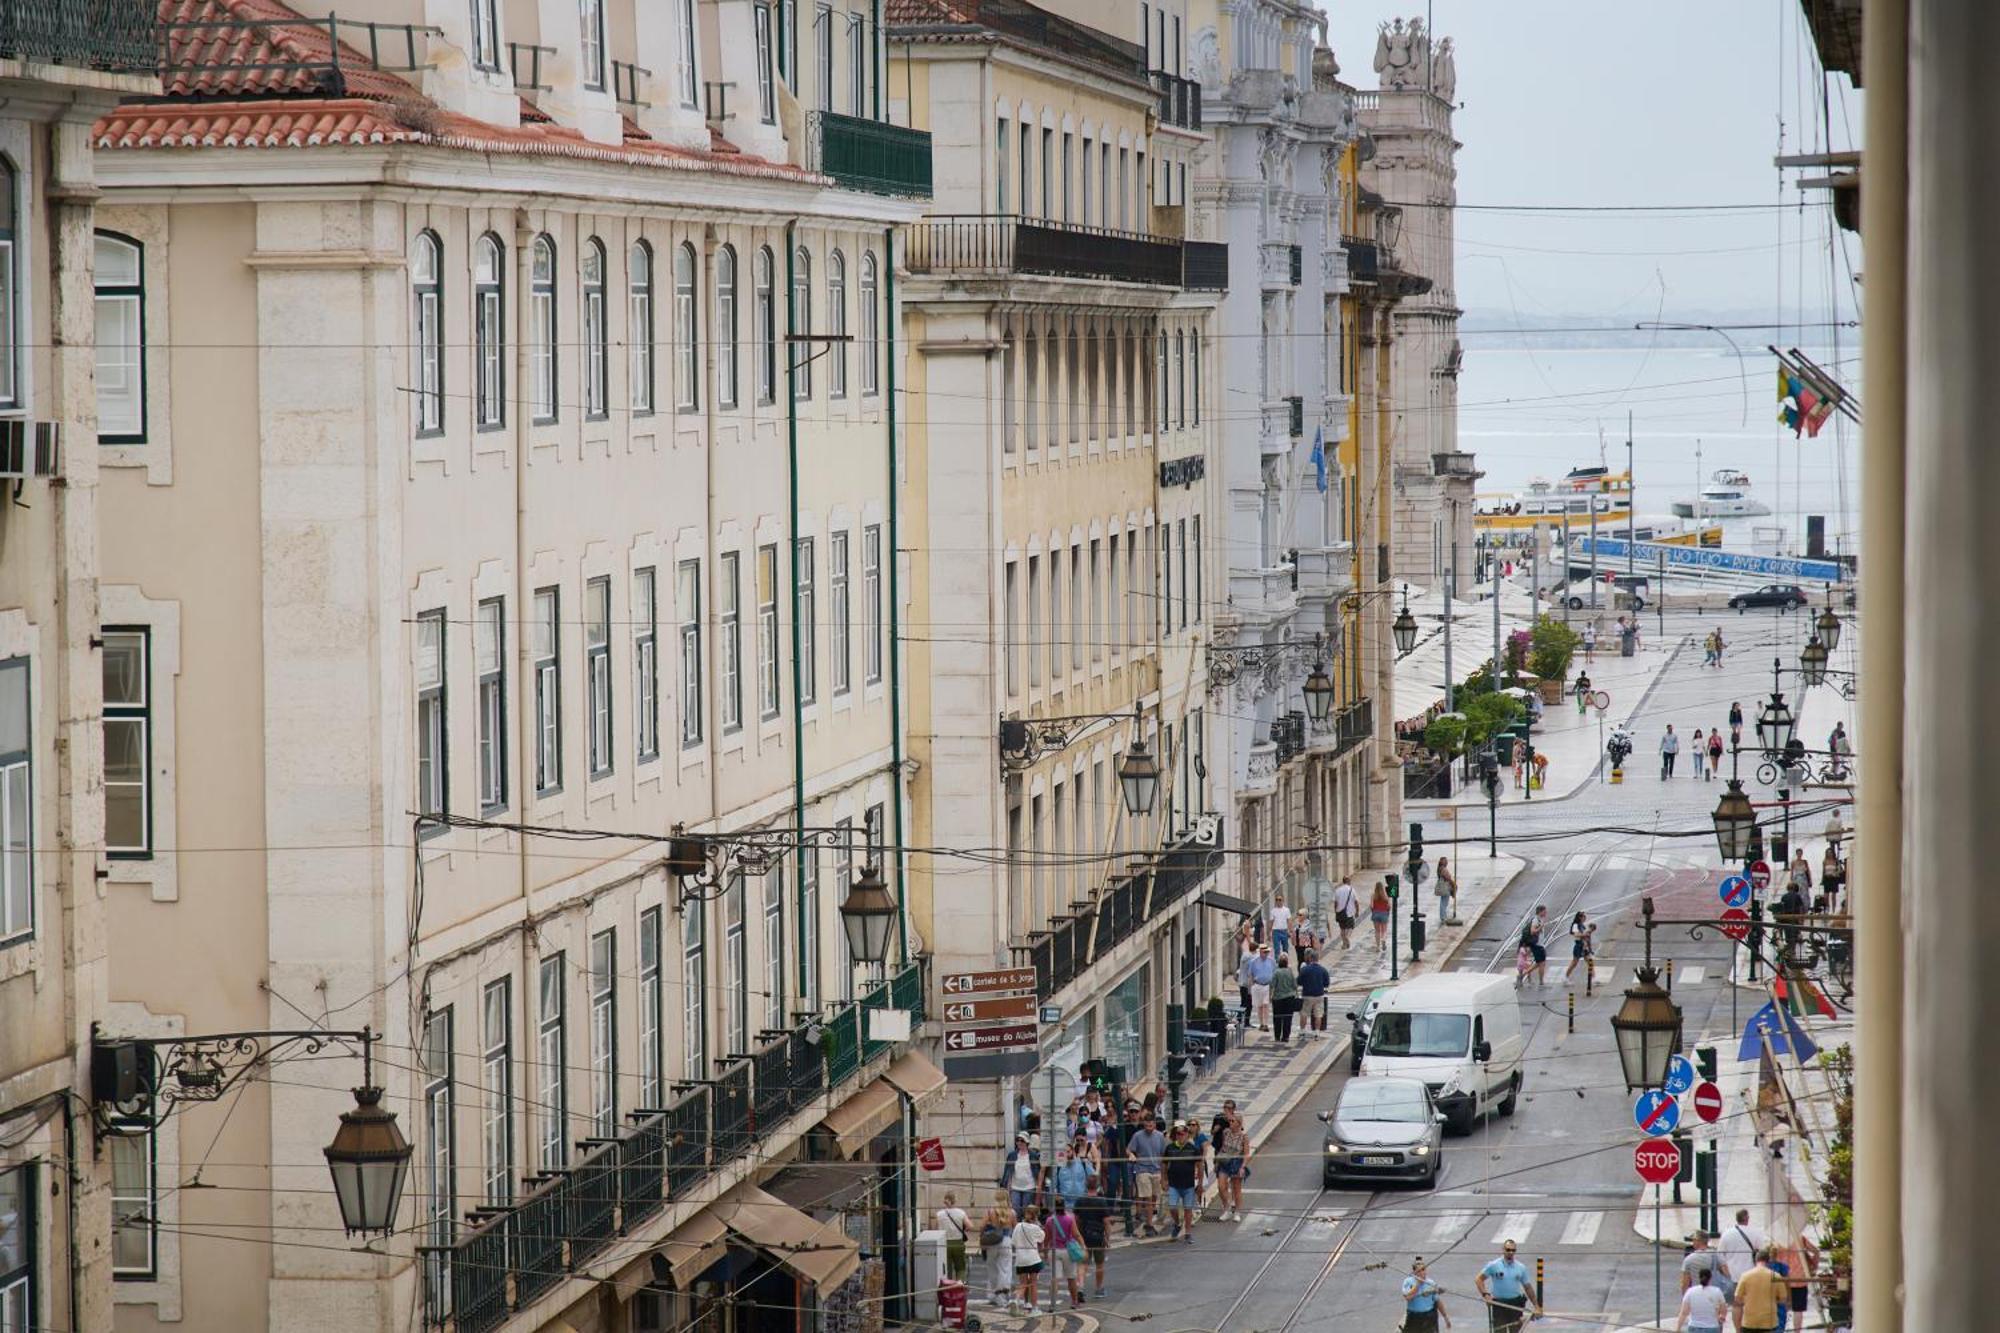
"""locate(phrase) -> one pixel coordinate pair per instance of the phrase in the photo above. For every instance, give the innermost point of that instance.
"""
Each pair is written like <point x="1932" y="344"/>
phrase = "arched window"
<point x="639" y="319"/>
<point x="725" y="326"/>
<point x="836" y="324"/>
<point x="1180" y="380"/>
<point x="542" y="330"/>
<point x="121" y="340"/>
<point x="489" y="333"/>
<point x="871" y="329"/>
<point x="687" y="328"/>
<point x="596" y="334"/>
<point x="765" y="317"/>
<point x="802" y="310"/>
<point x="10" y="284"/>
<point x="427" y="291"/>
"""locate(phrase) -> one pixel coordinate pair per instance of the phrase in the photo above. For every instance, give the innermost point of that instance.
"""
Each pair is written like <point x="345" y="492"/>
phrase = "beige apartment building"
<point x="63" y="1167"/>
<point x="508" y="484"/>
<point x="1063" y="424"/>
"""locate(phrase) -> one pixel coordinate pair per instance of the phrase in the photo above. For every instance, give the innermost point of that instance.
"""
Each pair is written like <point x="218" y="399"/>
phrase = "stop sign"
<point x="1735" y="923"/>
<point x="1760" y="875"/>
<point x="1657" y="1160"/>
<point x="1708" y="1102"/>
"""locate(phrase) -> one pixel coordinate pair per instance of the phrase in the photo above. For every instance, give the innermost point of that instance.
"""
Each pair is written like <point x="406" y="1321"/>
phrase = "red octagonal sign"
<point x="1708" y="1102"/>
<point x="1735" y="923"/>
<point x="1657" y="1160"/>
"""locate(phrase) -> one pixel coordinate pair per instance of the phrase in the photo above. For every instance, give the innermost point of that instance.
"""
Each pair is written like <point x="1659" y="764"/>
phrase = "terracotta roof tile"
<point x="241" y="48"/>
<point x="259" y="124"/>
<point x="931" y="11"/>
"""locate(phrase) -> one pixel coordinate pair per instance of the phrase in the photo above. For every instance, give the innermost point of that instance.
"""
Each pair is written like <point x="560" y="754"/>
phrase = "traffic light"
<point x="1103" y="1076"/>
<point x="1416" y="840"/>
<point x="1705" y="1061"/>
<point x="1395" y="886"/>
<point x="1781" y="848"/>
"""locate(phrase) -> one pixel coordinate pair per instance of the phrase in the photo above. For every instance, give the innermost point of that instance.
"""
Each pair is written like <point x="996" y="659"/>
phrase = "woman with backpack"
<point x="996" y="1246"/>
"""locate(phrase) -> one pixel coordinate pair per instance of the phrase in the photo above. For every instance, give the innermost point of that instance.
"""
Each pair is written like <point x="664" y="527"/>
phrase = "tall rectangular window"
<point x="551" y="1051"/>
<point x="604" y="1033"/>
<point x="857" y="61"/>
<point x="1055" y="641"/>
<point x="764" y="321"/>
<point x="805" y="622"/>
<point x="1114" y="613"/>
<point x="869" y="300"/>
<point x="1002" y="145"/>
<point x="548" y="690"/>
<point x="440" y="1118"/>
<point x="427" y="331"/>
<point x="1133" y="589"/>
<point x="843" y="855"/>
<point x="20" y="1249"/>
<point x="836" y="325"/>
<point x="729" y="599"/>
<point x="486" y="34"/>
<point x="690" y="54"/>
<point x="1047" y="186"/>
<point x="652" y="1069"/>
<point x="1079" y="610"/>
<point x="128" y="735"/>
<point x="1096" y="600"/>
<point x="767" y="631"/>
<point x="1083" y="213"/>
<point x="1199" y="610"/>
<point x="823" y="55"/>
<point x="121" y="340"/>
<point x="809" y="928"/>
<point x="694" y="993"/>
<point x="1025" y="179"/>
<point x="542" y="330"/>
<point x="433" y="785"/>
<point x="496" y="1077"/>
<point x="597" y="671"/>
<point x="875" y="836"/>
<point x="17" y="817"/>
<point x="1194" y="376"/>
<point x="839" y="648"/>
<point x="135" y="1215"/>
<point x="639" y="331"/>
<point x="591" y="53"/>
<point x="1181" y="537"/>
<point x="687" y="596"/>
<point x="687" y="329"/>
<point x="1031" y="621"/>
<point x="1068" y="170"/>
<point x="646" y="663"/>
<point x="596" y="333"/>
<point x="489" y="650"/>
<point x="736" y="964"/>
<point x="725" y="326"/>
<point x="774" y="946"/>
<point x="489" y="328"/>
<point x="767" y="93"/>
<point x="1010" y="614"/>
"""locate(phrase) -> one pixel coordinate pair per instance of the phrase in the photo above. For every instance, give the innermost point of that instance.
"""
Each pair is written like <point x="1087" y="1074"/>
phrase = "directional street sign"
<point x="1735" y="923"/>
<point x="1760" y="875"/>
<point x="999" y="1037"/>
<point x="1680" y="1075"/>
<point x="1656" y="1113"/>
<point x="1657" y="1161"/>
<point x="989" y="983"/>
<point x="987" y="1010"/>
<point x="1734" y="891"/>
<point x="1708" y="1102"/>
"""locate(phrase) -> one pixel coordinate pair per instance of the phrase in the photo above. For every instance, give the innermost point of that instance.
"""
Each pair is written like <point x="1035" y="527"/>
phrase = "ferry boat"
<point x="1511" y="520"/>
<point x="1727" y="495"/>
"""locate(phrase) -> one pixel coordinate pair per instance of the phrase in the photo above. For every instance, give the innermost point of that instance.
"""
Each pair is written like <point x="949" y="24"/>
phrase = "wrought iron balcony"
<point x="1180" y="100"/>
<point x="1205" y="266"/>
<point x="872" y="155"/>
<point x="122" y="36"/>
<point x="1005" y="244"/>
<point x="1296" y="417"/>
<point x="1363" y="259"/>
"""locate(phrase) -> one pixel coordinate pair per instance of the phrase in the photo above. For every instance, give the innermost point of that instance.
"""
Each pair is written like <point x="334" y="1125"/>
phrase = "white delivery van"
<point x="1460" y="1032"/>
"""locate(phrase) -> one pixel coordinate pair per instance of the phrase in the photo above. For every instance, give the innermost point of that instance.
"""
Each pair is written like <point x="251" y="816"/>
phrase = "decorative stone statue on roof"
<point x="1444" y="71"/>
<point x="1402" y="54"/>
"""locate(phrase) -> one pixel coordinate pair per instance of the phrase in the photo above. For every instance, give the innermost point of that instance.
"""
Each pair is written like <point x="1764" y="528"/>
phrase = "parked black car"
<point x="1784" y="596"/>
<point x="1361" y="1017"/>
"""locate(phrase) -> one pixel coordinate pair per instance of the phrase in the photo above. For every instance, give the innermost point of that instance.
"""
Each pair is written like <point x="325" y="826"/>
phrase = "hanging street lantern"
<point x="1776" y="723"/>
<point x="369" y="1158"/>
<point x="1812" y="661"/>
<point x="869" y="917"/>
<point x="1404" y="627"/>
<point x="1735" y="824"/>
<point x="1139" y="776"/>
<point x="1828" y="625"/>
<point x="1319" y="693"/>
<point x="1648" y="1031"/>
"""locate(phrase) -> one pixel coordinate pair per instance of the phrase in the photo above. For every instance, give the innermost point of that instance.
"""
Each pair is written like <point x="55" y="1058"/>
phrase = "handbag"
<point x="1072" y="1245"/>
<point x="989" y="1236"/>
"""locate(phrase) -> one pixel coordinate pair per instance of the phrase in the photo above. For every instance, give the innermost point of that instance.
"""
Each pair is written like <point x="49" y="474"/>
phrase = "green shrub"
<point x="1552" y="648"/>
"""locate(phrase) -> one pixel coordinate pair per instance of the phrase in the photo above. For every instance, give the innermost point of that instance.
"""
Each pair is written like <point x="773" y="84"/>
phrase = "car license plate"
<point x="1378" y="1161"/>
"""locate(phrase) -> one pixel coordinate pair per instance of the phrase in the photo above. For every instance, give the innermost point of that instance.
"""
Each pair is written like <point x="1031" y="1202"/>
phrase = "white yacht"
<point x="1727" y="495"/>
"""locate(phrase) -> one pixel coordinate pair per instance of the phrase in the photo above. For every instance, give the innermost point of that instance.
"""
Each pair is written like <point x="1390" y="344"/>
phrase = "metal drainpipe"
<point x="792" y="352"/>
<point x="890" y="558"/>
<point x="875" y="52"/>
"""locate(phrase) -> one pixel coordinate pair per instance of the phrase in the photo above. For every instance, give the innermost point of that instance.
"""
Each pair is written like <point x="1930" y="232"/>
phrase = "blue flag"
<point x="1319" y="457"/>
<point x="1787" y="1037"/>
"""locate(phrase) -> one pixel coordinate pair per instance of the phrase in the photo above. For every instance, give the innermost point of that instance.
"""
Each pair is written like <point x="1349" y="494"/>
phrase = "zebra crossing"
<point x="1578" y="1229"/>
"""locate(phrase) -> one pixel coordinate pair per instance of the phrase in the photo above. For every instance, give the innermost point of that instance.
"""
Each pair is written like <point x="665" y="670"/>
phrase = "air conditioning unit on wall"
<point x="30" y="449"/>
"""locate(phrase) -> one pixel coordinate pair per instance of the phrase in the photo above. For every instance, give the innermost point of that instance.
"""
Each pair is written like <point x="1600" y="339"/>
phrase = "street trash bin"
<point x="951" y="1303"/>
<point x="1628" y="641"/>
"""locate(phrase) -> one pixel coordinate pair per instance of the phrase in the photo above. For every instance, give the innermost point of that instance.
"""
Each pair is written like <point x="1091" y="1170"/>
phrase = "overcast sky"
<point x="1587" y="102"/>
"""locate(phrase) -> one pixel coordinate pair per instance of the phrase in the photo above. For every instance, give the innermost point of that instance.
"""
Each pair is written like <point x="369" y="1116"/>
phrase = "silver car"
<point x="1383" y="1128"/>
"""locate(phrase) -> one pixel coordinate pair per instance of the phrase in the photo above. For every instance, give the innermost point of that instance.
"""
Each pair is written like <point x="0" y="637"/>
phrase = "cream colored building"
<point x="1063" y="426"/>
<point x="62" y="1173"/>
<point x="513" y="470"/>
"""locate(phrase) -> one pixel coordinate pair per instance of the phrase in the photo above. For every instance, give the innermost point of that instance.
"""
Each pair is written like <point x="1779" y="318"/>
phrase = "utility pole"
<point x="1565" y="562"/>
<point x="1493" y="580"/>
<point x="1593" y="552"/>
<point x="1449" y="689"/>
<point x="1632" y="505"/>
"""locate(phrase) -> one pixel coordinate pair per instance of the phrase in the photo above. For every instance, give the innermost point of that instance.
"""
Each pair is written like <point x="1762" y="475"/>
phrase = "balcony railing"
<point x="122" y="36"/>
<point x="872" y="155"/>
<point x="193" y="54"/>
<point x="525" y="59"/>
<point x="508" y="1258"/>
<point x="1003" y="244"/>
<point x="1298" y="265"/>
<point x="1180" y="100"/>
<point x="1205" y="266"/>
<point x="627" y="82"/>
<point x="1363" y="259"/>
<point x="1353" y="725"/>
<point x="1297" y="415"/>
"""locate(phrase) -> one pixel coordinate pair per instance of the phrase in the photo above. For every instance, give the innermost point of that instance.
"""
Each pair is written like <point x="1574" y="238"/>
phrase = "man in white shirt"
<point x="1281" y="926"/>
<point x="1738" y="1246"/>
<point x="951" y="1220"/>
<point x="1346" y="909"/>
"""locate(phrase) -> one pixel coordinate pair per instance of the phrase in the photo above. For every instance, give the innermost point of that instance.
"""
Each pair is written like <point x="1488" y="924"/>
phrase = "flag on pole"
<point x="1319" y="458"/>
<point x="1788" y="400"/>
<point x="1787" y="1037"/>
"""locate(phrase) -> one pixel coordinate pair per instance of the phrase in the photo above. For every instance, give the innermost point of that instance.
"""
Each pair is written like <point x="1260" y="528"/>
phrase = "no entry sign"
<point x="1734" y="891"/>
<point x="1735" y="923"/>
<point x="1657" y="1161"/>
<point x="1708" y="1102"/>
<point x="1760" y="875"/>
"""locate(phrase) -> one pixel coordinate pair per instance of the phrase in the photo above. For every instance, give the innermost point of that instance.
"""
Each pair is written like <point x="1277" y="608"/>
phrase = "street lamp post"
<point x="868" y="915"/>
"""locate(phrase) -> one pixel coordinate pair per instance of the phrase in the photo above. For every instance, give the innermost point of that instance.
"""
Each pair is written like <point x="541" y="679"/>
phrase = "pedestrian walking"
<point x="1832" y="875"/>
<point x="1262" y="969"/>
<point x="1582" y="693"/>
<point x="1697" y="745"/>
<point x="1735" y="724"/>
<point x="1582" y="943"/>
<point x="1704" y="1309"/>
<point x="1541" y="766"/>
<point x="1314" y="982"/>
<point x="953" y="1222"/>
<point x="1590" y="642"/>
<point x="996" y="1244"/>
<point x="1520" y="757"/>
<point x="1029" y="1238"/>
<point x="1503" y="1285"/>
<point x="1284" y="999"/>
<point x="1149" y="1146"/>
<point x="1072" y="1176"/>
<point x="1021" y="1174"/>
<point x="1422" y="1305"/>
<point x="1533" y="955"/>
<point x="1738" y="1245"/>
<point x="1702" y="1257"/>
<point x="1245" y="964"/>
<point x="1708" y="649"/>
<point x="1757" y="1295"/>
<point x="1346" y="911"/>
<point x="1719" y="646"/>
<point x="1281" y="925"/>
<point x="1446" y="889"/>
<point x="1714" y="753"/>
<point x="1066" y="1255"/>
<point x="1181" y="1166"/>
<point x="1670" y="746"/>
<point x="1232" y="1162"/>
<point x="1093" y="1222"/>
<point x="1378" y="913"/>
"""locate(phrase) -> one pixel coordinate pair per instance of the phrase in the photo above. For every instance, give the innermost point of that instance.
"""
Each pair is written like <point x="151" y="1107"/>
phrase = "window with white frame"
<point x="1031" y="621"/>
<point x="694" y="992"/>
<point x="591" y="53"/>
<point x="788" y="43"/>
<point x="433" y="780"/>
<point x="690" y="54"/>
<point x="836" y="324"/>
<point x="687" y="597"/>
<point x="542" y="321"/>
<point x="489" y="632"/>
<point x="427" y="294"/>
<point x="805" y="622"/>
<point x="1180" y="380"/>
<point x="839" y="648"/>
<point x="597" y="671"/>
<point x="857" y="64"/>
<point x="767" y="93"/>
<point x="1010" y="612"/>
<point x="871" y="603"/>
<point x="1055" y="640"/>
<point x="496" y="1078"/>
<point x="17" y="809"/>
<point x="596" y="335"/>
<point x="440" y="1108"/>
<point x="802" y="307"/>
<point x="1003" y="145"/>
<point x="875" y="837"/>
<point x="135" y="1208"/>
<point x="729" y="628"/>
<point x="767" y="631"/>
<point x="19" y="1251"/>
<point x="604" y="1033"/>
<point x="119" y="272"/>
<point x="489" y="331"/>
<point x="645" y="664"/>
<point x="687" y="330"/>
<point x="809" y="927"/>
<point x="774" y="946"/>
<point x="10" y="282"/>
<point x="736" y="963"/>
<point x="639" y="317"/>
<point x="823" y="50"/>
<point x="725" y="327"/>
<point x="1096" y="616"/>
<point x="128" y="736"/>
<point x="486" y="34"/>
<point x="871" y="328"/>
<point x="551" y="1051"/>
<point x="843" y="880"/>
<point x="1079" y="610"/>
<point x="764" y="318"/>
<point x="652" y="1071"/>
<point x="548" y="690"/>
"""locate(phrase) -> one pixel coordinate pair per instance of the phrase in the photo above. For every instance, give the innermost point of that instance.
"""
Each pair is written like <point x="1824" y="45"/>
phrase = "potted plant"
<point x="1551" y="648"/>
<point x="1835" y="1211"/>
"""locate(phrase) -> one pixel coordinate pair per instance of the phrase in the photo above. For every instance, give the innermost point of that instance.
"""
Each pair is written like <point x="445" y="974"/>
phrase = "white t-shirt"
<point x="1738" y="1246"/>
<point x="952" y="1221"/>
<point x="1024" y="1173"/>
<point x="1027" y="1244"/>
<point x="1704" y="1306"/>
<point x="1345" y="901"/>
<point x="1281" y="917"/>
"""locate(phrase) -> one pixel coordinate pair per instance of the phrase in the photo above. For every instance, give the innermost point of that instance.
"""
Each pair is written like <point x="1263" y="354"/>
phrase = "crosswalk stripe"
<point x="1579" y="860"/>
<point x="1515" y="1227"/>
<point x="1449" y="1227"/>
<point x="1582" y="1229"/>
<point x="1692" y="974"/>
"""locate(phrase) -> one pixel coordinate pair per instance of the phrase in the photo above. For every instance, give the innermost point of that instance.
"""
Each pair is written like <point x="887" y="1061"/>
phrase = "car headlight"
<point x="1421" y="1150"/>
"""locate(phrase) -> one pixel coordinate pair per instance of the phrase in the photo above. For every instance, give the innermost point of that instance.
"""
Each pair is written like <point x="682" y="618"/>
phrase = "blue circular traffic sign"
<point x="1656" y="1112"/>
<point x="1734" y="891"/>
<point x="1680" y="1075"/>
